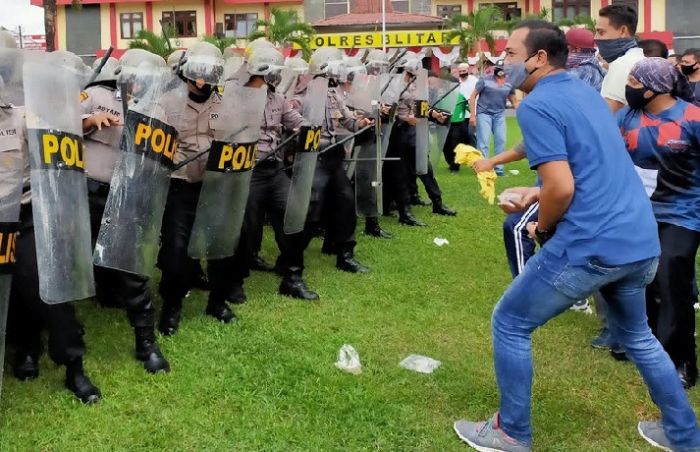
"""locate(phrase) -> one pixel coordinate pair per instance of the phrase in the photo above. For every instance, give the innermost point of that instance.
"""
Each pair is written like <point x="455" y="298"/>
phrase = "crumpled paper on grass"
<point x="468" y="155"/>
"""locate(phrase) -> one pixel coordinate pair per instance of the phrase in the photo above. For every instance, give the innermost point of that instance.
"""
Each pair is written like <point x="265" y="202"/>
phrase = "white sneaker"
<point x="582" y="306"/>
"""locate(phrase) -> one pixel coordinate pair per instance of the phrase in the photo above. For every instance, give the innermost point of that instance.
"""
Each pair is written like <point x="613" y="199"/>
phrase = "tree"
<point x="479" y="25"/>
<point x="285" y="29"/>
<point x="160" y="45"/>
<point x="221" y="43"/>
<point x="50" y="13"/>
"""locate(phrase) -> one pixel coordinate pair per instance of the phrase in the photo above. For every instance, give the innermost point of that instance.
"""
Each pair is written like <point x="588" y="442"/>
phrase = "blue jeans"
<point x="548" y="286"/>
<point x="486" y="124"/>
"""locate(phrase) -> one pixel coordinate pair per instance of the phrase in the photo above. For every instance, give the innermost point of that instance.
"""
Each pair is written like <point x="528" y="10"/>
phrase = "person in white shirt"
<point x="615" y="29"/>
<point x="460" y="129"/>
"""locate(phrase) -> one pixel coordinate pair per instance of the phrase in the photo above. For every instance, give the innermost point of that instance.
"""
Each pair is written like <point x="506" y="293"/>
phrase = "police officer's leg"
<point x="66" y="346"/>
<point x="292" y="246"/>
<point x="434" y="193"/>
<point x="104" y="282"/>
<point x="221" y="284"/>
<point x="344" y="221"/>
<point x="396" y="173"/>
<point x="176" y="266"/>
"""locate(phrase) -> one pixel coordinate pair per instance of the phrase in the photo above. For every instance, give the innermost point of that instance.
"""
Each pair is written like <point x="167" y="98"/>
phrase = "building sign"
<point x="359" y="40"/>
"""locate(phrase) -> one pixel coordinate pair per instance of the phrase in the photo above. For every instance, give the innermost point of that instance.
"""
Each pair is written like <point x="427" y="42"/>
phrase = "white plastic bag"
<point x="439" y="241"/>
<point x="349" y="360"/>
<point x="421" y="364"/>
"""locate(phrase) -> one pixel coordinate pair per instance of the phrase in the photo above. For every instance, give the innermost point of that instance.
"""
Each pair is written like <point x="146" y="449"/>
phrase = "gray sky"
<point x="14" y="13"/>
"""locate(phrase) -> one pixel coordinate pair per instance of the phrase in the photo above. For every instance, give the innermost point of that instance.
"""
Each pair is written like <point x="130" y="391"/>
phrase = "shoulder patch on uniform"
<point x="83" y="96"/>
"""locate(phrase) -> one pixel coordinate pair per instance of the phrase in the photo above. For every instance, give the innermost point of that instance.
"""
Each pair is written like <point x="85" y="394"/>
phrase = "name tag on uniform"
<point x="9" y="140"/>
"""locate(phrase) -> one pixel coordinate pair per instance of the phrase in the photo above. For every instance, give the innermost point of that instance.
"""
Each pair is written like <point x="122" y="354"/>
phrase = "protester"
<point x="597" y="232"/>
<point x="653" y="48"/>
<point x="690" y="66"/>
<point x="582" y="61"/>
<point x="489" y="103"/>
<point x="460" y="129"/>
<point x="662" y="133"/>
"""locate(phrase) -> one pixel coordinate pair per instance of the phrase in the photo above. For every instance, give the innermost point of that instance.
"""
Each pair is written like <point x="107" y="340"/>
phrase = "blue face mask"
<point x="612" y="49"/>
<point x="516" y="73"/>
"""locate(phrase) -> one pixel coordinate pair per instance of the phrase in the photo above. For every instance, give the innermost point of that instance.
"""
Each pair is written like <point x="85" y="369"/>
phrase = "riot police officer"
<point x="203" y="71"/>
<point x="28" y="314"/>
<point x="331" y="184"/>
<point x="103" y="119"/>
<point x="269" y="187"/>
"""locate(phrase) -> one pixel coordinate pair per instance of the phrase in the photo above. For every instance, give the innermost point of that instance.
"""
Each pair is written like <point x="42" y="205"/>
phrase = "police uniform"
<point x="114" y="287"/>
<point x="28" y="314"/>
<point x="331" y="185"/>
<point x="405" y="136"/>
<point x="201" y="119"/>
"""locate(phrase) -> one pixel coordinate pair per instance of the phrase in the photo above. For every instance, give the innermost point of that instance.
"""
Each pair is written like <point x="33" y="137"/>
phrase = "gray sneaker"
<point x="488" y="437"/>
<point x="653" y="432"/>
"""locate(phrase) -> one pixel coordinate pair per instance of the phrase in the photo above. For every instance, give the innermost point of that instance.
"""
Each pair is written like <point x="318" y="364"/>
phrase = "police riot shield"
<point x="224" y="193"/>
<point x="59" y="186"/>
<point x="314" y="110"/>
<point x="128" y="239"/>
<point x="364" y="96"/>
<point x="420" y="111"/>
<point x="391" y="91"/>
<point x="11" y="168"/>
<point x="442" y="96"/>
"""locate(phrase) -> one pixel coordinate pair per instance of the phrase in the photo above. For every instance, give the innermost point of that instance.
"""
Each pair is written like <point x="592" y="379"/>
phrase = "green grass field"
<point x="269" y="382"/>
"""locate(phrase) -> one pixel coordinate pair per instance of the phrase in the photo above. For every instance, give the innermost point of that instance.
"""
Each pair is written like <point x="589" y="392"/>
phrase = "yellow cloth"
<point x="468" y="155"/>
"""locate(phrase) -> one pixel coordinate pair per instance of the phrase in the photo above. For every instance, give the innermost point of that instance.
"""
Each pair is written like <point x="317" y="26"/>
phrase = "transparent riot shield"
<point x="226" y="184"/>
<point x="441" y="96"/>
<point x="288" y="80"/>
<point x="59" y="186"/>
<point x="11" y="168"/>
<point x="314" y="110"/>
<point x="129" y="234"/>
<point x="422" y="127"/>
<point x="391" y="90"/>
<point x="364" y="96"/>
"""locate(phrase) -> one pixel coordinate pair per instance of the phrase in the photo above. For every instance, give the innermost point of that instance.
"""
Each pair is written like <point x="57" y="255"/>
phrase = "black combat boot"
<point x="148" y="352"/>
<point x="407" y="218"/>
<point x="441" y="209"/>
<point x="329" y="247"/>
<point x="237" y="295"/>
<point x="292" y="285"/>
<point x="170" y="317"/>
<point x="26" y="366"/>
<point x="260" y="265"/>
<point x="220" y="311"/>
<point x="346" y="262"/>
<point x="79" y="384"/>
<point x="373" y="229"/>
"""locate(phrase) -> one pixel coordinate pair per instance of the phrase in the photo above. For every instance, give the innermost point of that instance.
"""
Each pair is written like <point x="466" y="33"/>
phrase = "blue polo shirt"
<point x="610" y="217"/>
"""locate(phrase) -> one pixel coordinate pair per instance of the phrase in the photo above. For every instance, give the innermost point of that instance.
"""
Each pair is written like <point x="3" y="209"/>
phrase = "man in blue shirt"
<point x="597" y="232"/>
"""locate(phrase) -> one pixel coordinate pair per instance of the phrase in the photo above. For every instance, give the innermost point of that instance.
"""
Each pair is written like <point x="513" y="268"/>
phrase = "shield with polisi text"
<point x="129" y="236"/>
<point x="58" y="183"/>
<point x="306" y="155"/>
<point x="224" y="194"/>
<point x="420" y="111"/>
<point x="442" y="96"/>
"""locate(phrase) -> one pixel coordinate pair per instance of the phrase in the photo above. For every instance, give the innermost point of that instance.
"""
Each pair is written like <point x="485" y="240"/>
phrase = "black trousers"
<point x="460" y="132"/>
<point x="394" y="172"/>
<point x="177" y="267"/>
<point x="269" y="189"/>
<point x="29" y="316"/>
<point x="114" y="287"/>
<point x="670" y="297"/>
<point x="408" y="143"/>
<point x="332" y="189"/>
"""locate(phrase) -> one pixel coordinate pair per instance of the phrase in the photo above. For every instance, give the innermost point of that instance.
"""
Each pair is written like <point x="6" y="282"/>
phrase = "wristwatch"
<point x="543" y="236"/>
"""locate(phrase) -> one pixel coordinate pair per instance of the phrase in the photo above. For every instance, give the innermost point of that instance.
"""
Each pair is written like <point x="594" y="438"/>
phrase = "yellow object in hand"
<point x="468" y="155"/>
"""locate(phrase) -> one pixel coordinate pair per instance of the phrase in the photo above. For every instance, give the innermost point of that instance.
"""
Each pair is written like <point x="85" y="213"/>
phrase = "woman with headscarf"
<point x="662" y="132"/>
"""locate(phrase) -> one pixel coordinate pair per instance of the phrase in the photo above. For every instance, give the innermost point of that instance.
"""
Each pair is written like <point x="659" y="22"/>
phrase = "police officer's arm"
<point x="92" y="120"/>
<point x="349" y="121"/>
<point x="291" y="118"/>
<point x="405" y="112"/>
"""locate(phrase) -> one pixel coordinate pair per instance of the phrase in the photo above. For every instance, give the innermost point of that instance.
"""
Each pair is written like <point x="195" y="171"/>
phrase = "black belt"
<point x="268" y="164"/>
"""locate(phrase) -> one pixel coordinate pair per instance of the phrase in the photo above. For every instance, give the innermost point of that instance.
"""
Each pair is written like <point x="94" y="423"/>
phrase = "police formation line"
<point x="166" y="164"/>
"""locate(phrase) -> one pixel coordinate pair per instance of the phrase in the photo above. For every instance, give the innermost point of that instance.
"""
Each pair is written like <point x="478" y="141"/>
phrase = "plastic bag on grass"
<point x="349" y="360"/>
<point x="421" y="364"/>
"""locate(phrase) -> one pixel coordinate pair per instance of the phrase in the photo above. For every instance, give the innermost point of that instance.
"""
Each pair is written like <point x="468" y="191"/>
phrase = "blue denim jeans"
<point x="486" y="124"/>
<point x="548" y="286"/>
